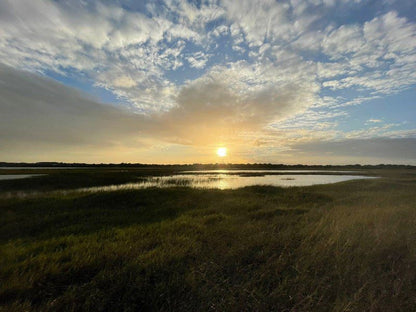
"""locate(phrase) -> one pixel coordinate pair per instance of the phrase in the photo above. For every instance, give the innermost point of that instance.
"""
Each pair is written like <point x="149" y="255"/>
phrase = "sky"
<point x="171" y="81"/>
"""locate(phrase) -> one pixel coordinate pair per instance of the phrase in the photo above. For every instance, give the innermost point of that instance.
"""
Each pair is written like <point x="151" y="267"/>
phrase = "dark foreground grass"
<point x="344" y="247"/>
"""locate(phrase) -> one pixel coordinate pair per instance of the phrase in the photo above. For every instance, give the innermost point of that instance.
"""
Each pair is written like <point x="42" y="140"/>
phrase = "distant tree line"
<point x="198" y="166"/>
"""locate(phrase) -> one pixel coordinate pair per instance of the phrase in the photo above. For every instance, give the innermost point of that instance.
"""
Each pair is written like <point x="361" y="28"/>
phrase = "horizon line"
<point x="85" y="164"/>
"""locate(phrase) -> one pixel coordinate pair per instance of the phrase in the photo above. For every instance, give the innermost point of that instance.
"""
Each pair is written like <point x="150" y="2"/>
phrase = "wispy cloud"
<point x="370" y="121"/>
<point x="110" y="43"/>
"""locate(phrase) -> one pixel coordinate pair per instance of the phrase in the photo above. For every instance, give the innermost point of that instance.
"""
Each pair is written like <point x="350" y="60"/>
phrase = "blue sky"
<point x="264" y="78"/>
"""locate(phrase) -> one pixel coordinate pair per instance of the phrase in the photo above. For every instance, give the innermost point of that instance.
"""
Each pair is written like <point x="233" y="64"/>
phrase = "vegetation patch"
<point x="343" y="247"/>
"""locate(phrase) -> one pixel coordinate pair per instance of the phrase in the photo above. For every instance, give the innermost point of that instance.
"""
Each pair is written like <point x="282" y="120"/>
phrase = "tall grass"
<point x="343" y="247"/>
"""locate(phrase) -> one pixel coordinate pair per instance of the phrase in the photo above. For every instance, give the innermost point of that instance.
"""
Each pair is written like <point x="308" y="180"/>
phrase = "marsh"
<point x="347" y="245"/>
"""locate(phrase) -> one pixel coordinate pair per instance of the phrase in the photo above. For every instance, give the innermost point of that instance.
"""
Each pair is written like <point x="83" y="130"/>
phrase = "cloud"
<point x="119" y="49"/>
<point x="133" y="53"/>
<point x="342" y="41"/>
<point x="124" y="82"/>
<point x="50" y="121"/>
<point x="380" y="55"/>
<point x="199" y="74"/>
<point x="104" y="42"/>
<point x="388" y="150"/>
<point x="49" y="113"/>
<point x="208" y="112"/>
<point x="197" y="60"/>
<point x="374" y="120"/>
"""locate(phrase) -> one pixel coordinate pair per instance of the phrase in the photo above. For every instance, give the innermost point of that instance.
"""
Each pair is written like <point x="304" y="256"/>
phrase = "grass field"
<point x="348" y="246"/>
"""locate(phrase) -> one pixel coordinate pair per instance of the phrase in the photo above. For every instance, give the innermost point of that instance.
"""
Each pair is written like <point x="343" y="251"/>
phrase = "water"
<point x="216" y="179"/>
<point x="17" y="176"/>
<point x="225" y="180"/>
<point x="41" y="168"/>
<point x="265" y="171"/>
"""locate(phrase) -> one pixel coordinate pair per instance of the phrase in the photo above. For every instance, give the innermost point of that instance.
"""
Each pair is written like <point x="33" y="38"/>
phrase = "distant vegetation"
<point x="343" y="247"/>
<point x="197" y="166"/>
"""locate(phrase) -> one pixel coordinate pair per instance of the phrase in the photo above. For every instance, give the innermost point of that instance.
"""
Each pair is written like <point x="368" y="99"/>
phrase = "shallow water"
<point x="266" y="171"/>
<point x="40" y="168"/>
<point x="224" y="181"/>
<point x="17" y="176"/>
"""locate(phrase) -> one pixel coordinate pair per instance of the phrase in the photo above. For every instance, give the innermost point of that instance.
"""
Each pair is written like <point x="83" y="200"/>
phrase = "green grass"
<point x="349" y="246"/>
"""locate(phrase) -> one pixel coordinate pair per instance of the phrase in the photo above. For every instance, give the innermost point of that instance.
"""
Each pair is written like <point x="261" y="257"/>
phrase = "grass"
<point x="348" y="246"/>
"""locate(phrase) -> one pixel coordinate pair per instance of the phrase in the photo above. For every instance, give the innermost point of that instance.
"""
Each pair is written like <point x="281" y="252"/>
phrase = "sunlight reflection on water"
<point x="224" y="181"/>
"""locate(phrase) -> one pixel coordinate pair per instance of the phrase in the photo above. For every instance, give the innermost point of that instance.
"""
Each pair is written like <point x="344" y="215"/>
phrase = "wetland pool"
<point x="232" y="180"/>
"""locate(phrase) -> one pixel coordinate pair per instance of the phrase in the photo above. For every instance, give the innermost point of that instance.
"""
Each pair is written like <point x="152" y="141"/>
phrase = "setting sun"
<point x="222" y="152"/>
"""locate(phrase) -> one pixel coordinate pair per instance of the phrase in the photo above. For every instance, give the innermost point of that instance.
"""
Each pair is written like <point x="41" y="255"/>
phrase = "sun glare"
<point x="222" y="152"/>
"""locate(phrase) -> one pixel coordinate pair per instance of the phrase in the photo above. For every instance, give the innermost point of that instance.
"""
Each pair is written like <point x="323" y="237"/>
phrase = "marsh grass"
<point x="349" y="246"/>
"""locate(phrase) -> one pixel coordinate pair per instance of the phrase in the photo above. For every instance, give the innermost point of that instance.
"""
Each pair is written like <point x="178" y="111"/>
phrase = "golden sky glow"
<point x="173" y="81"/>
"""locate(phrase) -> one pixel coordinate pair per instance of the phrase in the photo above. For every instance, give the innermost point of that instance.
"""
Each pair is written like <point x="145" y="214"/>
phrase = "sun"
<point x="222" y="151"/>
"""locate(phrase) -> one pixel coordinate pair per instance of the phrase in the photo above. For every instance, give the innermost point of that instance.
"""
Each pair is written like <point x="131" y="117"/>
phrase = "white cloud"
<point x="99" y="40"/>
<point x="295" y="50"/>
<point x="262" y="20"/>
<point x="374" y="120"/>
<point x="221" y="31"/>
<point x="342" y="41"/>
<point x="379" y="55"/>
<point x="197" y="60"/>
<point x="107" y="43"/>
<point x="124" y="82"/>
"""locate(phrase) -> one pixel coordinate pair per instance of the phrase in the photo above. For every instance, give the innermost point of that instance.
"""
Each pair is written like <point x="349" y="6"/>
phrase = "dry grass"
<point x="349" y="246"/>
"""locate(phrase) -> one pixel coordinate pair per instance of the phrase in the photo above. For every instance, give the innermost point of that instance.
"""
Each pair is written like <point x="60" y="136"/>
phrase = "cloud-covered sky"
<point x="300" y="81"/>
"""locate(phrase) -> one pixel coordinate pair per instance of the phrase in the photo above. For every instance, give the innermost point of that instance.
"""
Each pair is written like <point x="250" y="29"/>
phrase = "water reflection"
<point x="229" y="181"/>
<point x="244" y="171"/>
<point x="17" y="176"/>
